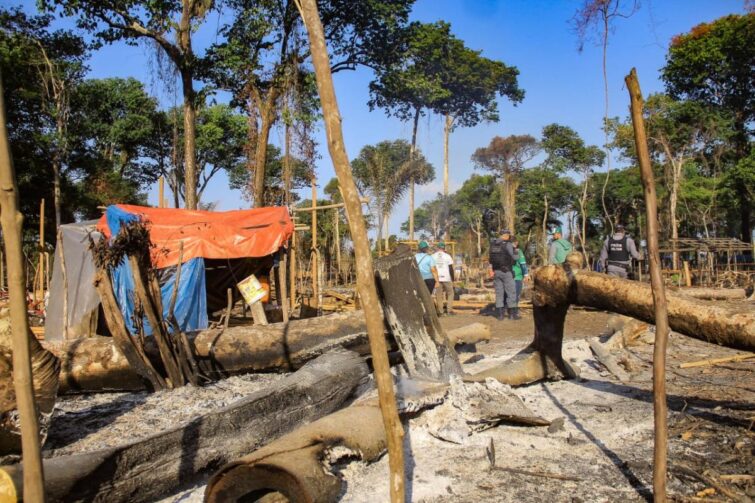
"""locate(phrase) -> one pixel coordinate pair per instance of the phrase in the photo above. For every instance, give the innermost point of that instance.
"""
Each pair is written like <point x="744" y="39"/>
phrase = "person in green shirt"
<point x="559" y="248"/>
<point x="519" y="268"/>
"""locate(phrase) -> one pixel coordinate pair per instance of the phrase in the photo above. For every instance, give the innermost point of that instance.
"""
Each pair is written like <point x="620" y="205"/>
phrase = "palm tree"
<point x="384" y="173"/>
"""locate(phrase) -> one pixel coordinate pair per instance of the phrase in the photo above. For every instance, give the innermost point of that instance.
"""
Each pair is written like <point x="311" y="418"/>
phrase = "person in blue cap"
<point x="427" y="267"/>
<point x="502" y="258"/>
<point x="559" y="248"/>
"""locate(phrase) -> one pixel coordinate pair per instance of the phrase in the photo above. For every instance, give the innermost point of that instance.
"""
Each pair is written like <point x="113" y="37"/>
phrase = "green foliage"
<point x="566" y="151"/>
<point x="713" y="63"/>
<point x="385" y="171"/>
<point x="438" y="72"/>
<point x="506" y="156"/>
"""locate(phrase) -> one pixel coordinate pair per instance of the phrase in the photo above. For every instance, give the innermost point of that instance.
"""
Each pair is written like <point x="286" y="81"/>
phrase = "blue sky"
<point x="561" y="84"/>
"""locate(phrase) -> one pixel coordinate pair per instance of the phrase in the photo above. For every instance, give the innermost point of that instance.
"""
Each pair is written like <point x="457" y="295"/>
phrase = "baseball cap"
<point x="441" y="245"/>
<point x="423" y="244"/>
<point x="505" y="231"/>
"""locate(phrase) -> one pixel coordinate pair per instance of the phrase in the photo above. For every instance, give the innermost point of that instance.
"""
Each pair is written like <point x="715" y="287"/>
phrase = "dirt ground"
<point x="599" y="447"/>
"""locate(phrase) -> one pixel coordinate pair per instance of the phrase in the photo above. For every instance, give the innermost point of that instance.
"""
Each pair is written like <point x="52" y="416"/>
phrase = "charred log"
<point x="97" y="364"/>
<point x="412" y="319"/>
<point x="150" y="468"/>
<point x="45" y="371"/>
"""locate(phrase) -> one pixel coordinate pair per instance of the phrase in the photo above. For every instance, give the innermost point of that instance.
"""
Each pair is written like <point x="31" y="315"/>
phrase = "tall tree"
<point x="45" y="65"/>
<point x="384" y="171"/>
<point x="568" y="152"/>
<point x="600" y="15"/>
<point x="263" y="60"/>
<point x="713" y="63"/>
<point x="170" y="24"/>
<point x="220" y="146"/>
<point x="506" y="157"/>
<point x="408" y="88"/>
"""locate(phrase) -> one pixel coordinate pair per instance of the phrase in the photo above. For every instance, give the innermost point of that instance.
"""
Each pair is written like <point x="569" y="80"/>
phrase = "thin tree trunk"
<point x="365" y="275"/>
<point x="287" y="165"/>
<point x="659" y="293"/>
<point x="386" y="233"/>
<point x="260" y="156"/>
<point x="412" y="151"/>
<point x="605" y="115"/>
<point x="190" y="153"/>
<point x="12" y="221"/>
<point x="446" y="133"/>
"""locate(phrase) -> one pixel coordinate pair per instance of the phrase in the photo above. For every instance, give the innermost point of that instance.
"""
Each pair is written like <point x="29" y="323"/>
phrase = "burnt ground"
<point x="604" y="447"/>
<point x="606" y="443"/>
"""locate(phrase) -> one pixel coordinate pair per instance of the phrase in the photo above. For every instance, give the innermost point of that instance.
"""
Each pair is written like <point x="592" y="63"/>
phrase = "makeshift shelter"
<point x="217" y="250"/>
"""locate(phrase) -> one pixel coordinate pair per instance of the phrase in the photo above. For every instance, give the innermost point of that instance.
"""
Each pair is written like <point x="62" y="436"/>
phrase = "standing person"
<point x="445" y="266"/>
<point x="502" y="257"/>
<point x="427" y="267"/>
<point x="520" y="273"/>
<point x="559" y="248"/>
<point x="617" y="252"/>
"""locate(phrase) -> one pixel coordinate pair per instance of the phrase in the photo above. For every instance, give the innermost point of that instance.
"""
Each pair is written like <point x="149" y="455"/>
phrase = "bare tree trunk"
<point x="510" y="186"/>
<point x="365" y="275"/>
<point x="412" y="151"/>
<point x="449" y="121"/>
<point x="260" y="155"/>
<point x="660" y="409"/>
<point x="386" y="233"/>
<point x="12" y="221"/>
<point x="190" y="132"/>
<point x="605" y="14"/>
<point x="287" y="165"/>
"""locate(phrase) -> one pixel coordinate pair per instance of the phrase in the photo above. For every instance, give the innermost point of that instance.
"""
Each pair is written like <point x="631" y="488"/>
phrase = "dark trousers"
<point x="430" y="284"/>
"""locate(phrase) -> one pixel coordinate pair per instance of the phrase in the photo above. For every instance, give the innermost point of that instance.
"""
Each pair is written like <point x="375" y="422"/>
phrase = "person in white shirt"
<point x="444" y="292"/>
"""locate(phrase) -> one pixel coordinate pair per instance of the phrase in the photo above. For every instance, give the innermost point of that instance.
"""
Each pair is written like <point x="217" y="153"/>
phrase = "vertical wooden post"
<point x="161" y="192"/>
<point x="687" y="276"/>
<point x="659" y="293"/>
<point x="394" y="431"/>
<point x="12" y="221"/>
<point x="314" y="263"/>
<point x="337" y="217"/>
<point x="282" y="287"/>
<point x="292" y="271"/>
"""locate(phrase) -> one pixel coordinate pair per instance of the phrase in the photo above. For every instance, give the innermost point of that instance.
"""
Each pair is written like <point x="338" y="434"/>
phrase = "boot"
<point x="499" y="314"/>
<point x="514" y="314"/>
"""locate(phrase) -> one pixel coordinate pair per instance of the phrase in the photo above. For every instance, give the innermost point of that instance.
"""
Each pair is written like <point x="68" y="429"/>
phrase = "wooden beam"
<point x="363" y="200"/>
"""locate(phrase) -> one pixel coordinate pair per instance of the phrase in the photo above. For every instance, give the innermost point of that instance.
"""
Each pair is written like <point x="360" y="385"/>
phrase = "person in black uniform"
<point x="617" y="252"/>
<point x="502" y="258"/>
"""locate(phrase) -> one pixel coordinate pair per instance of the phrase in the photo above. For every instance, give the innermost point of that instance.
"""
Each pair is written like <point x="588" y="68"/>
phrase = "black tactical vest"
<point x="617" y="250"/>
<point x="500" y="256"/>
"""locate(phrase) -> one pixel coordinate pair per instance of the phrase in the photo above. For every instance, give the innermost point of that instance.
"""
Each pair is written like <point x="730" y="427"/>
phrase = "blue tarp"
<point x="191" y="300"/>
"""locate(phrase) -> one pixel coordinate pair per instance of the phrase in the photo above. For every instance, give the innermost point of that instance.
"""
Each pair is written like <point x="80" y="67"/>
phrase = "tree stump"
<point x="411" y="317"/>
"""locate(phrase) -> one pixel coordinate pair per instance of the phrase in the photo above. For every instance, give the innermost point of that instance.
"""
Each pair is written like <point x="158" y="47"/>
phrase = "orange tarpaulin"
<point x="209" y="234"/>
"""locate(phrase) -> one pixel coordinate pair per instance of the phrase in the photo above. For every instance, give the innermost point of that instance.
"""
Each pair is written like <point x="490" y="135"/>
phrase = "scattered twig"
<point x="686" y="470"/>
<point x="714" y="361"/>
<point x="546" y="475"/>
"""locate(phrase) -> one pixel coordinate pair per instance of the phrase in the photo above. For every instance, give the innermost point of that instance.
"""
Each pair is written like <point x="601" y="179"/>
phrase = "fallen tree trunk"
<point x="293" y="467"/>
<point x="712" y="293"/>
<point x="731" y="325"/>
<point x="558" y="287"/>
<point x="469" y="334"/>
<point x="157" y="465"/>
<point x="95" y="364"/>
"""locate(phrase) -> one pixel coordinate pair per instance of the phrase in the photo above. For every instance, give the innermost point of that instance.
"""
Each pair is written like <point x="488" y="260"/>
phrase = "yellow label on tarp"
<point x="251" y="289"/>
<point x="7" y="488"/>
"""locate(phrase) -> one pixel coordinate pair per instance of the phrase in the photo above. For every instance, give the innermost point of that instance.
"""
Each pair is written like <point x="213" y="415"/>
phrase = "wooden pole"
<point x="687" y="276"/>
<point x="161" y="192"/>
<point x="394" y="431"/>
<point x="282" y="287"/>
<point x="12" y="221"/>
<point x="659" y="293"/>
<point x="364" y="200"/>
<point x="337" y="218"/>
<point x="41" y="266"/>
<point x="314" y="268"/>
<point x="292" y="272"/>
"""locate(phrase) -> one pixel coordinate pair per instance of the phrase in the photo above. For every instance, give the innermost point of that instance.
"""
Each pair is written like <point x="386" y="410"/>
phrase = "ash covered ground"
<point x="598" y="449"/>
